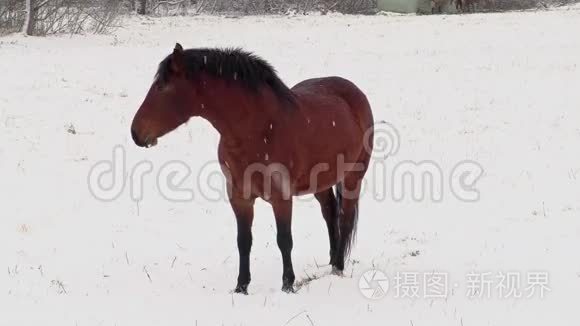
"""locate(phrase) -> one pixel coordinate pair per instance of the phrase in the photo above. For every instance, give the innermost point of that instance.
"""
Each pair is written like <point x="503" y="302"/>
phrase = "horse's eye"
<point x="161" y="85"/>
<point x="164" y="87"/>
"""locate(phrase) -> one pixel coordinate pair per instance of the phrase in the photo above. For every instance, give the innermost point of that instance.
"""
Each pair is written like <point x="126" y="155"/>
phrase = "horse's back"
<point x="337" y="89"/>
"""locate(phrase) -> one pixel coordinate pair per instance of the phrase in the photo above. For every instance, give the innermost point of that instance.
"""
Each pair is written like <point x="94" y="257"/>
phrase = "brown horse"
<point x="275" y="143"/>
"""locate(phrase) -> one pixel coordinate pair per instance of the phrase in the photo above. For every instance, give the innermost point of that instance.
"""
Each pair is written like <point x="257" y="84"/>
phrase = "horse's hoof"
<point x="336" y="271"/>
<point x="288" y="288"/>
<point x="242" y="289"/>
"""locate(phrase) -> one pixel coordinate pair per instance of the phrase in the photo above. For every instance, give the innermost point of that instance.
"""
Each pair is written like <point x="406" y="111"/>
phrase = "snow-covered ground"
<point x="498" y="89"/>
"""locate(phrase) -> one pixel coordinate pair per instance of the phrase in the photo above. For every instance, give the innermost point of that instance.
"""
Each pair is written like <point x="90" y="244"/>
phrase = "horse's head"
<point x="168" y="103"/>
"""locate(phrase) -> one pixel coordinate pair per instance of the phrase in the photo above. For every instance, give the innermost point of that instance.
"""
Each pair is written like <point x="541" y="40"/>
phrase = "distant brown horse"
<point x="299" y="141"/>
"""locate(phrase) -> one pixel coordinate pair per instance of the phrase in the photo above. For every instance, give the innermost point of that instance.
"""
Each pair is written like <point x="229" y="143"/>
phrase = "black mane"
<point x="232" y="64"/>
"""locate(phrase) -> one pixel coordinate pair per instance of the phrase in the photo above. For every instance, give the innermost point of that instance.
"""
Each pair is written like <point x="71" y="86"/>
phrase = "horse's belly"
<point x="305" y="186"/>
<point x="326" y="173"/>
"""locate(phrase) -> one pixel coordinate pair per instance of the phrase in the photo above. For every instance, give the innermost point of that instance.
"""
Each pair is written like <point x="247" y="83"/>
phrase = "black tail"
<point x="347" y="226"/>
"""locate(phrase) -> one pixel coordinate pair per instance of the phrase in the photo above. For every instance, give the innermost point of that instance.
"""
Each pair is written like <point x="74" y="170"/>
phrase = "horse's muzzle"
<point x="136" y="139"/>
<point x="147" y="142"/>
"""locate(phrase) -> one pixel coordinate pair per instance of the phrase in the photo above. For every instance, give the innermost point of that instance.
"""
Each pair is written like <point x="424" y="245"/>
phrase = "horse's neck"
<point x="236" y="113"/>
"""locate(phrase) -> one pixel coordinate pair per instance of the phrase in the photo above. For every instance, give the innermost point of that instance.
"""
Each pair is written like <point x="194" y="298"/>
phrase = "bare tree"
<point x="29" y="19"/>
<point x="142" y="8"/>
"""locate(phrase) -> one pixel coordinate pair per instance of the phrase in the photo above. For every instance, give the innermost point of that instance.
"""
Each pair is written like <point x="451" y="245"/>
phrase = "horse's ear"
<point x="178" y="47"/>
<point x="177" y="60"/>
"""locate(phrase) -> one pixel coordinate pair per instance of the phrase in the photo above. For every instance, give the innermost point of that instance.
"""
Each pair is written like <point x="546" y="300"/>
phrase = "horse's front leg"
<point x="244" y="211"/>
<point x="283" y="214"/>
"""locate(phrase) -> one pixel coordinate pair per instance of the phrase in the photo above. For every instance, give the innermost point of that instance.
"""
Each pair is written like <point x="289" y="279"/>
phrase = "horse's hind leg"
<point x="347" y="196"/>
<point x="348" y="193"/>
<point x="330" y="213"/>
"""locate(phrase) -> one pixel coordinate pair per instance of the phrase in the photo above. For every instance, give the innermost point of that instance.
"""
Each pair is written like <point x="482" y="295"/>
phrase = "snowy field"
<point x="499" y="89"/>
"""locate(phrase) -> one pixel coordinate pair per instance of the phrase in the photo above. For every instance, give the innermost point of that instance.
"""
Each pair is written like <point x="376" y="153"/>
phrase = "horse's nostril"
<point x="135" y="138"/>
